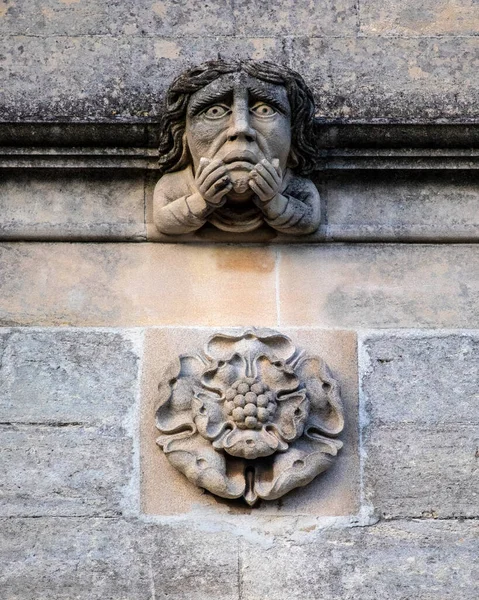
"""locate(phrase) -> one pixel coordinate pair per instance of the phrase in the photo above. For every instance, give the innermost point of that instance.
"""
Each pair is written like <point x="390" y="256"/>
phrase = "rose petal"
<point x="249" y="443"/>
<point x="176" y="391"/>
<point x="250" y="342"/>
<point x="208" y="416"/>
<point x="222" y="374"/>
<point x="203" y="466"/>
<point x="326" y="410"/>
<point x="305" y="459"/>
<point x="291" y="415"/>
<point x="274" y="373"/>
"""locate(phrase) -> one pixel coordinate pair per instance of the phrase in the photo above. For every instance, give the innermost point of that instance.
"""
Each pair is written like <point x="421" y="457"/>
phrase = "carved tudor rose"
<point x="236" y="140"/>
<point x="249" y="417"/>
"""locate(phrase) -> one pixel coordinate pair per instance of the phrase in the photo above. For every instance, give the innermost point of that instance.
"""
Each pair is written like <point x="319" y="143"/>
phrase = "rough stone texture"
<point x="90" y="76"/>
<point x="396" y="206"/>
<point x="429" y="17"/>
<point x="398" y="78"/>
<point x="424" y="560"/>
<point x="422" y="440"/>
<point x="64" y="471"/>
<point x="42" y="204"/>
<point x="335" y="493"/>
<point x="380" y="286"/>
<point x="136" y="284"/>
<point x="53" y="559"/>
<point x="66" y="376"/>
<point x="283" y="18"/>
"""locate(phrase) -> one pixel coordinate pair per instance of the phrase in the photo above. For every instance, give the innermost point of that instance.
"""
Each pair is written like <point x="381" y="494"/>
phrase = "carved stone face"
<point x="239" y="120"/>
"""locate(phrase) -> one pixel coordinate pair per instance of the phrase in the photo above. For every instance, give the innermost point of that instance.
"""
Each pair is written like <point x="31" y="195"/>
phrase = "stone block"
<point x="390" y="77"/>
<point x="421" y="444"/>
<point x="371" y="285"/>
<point x="427" y="18"/>
<point x="393" y="206"/>
<point x="94" y="17"/>
<point x="90" y="559"/>
<point x="136" y="285"/>
<point x="81" y="204"/>
<point x="421" y="379"/>
<point x="165" y="491"/>
<point x="363" y="78"/>
<point x="67" y="376"/>
<point x="425" y="560"/>
<point x="414" y="471"/>
<point x="64" y="470"/>
<point x="283" y="18"/>
<point x="194" y="562"/>
<point x="97" y="72"/>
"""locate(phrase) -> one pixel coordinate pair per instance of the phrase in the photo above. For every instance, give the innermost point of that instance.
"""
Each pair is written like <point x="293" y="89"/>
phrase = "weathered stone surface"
<point x="90" y="76"/>
<point x="71" y="205"/>
<point x="136" y="284"/>
<point x="194" y="563"/>
<point x="424" y="560"/>
<point x="421" y="396"/>
<point x="64" y="470"/>
<point x="380" y="286"/>
<point x="397" y="206"/>
<point x="429" y="17"/>
<point x="421" y="379"/>
<point x="66" y="376"/>
<point x="414" y="471"/>
<point x="90" y="559"/>
<point x="53" y="559"/>
<point x="398" y="78"/>
<point x="94" y="17"/>
<point x="283" y="18"/>
<point x="334" y="493"/>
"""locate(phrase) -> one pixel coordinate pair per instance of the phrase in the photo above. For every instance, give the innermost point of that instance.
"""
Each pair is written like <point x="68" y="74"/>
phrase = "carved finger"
<point x="204" y="162"/>
<point x="213" y="177"/>
<point x="208" y="169"/>
<point x="263" y="185"/>
<point x="275" y="163"/>
<point x="267" y="174"/>
<point x="218" y="197"/>
<point x="258" y="191"/>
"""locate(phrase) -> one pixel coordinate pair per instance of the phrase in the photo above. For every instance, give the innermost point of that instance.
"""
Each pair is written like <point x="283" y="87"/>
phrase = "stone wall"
<point x="92" y="307"/>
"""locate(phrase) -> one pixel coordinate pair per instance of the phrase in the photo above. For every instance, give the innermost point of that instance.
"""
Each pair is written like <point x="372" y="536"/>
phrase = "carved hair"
<point x="173" y="153"/>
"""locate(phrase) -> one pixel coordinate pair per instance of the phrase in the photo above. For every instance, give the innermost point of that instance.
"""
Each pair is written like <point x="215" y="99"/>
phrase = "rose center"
<point x="250" y="403"/>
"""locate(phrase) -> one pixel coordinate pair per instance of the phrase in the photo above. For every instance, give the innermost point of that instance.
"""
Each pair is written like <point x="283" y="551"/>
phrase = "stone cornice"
<point x="342" y="146"/>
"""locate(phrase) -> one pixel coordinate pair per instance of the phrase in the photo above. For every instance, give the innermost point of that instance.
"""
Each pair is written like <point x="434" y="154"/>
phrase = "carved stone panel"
<point x="250" y="416"/>
<point x="236" y="142"/>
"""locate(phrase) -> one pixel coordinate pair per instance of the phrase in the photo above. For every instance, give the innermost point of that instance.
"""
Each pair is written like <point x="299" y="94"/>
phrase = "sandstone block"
<point x="66" y="376"/>
<point x="380" y="286"/>
<point x="136" y="285"/>
<point x="428" y="18"/>
<point x="280" y="18"/>
<point x="420" y="393"/>
<point x="334" y="493"/>
<point x="64" y="471"/>
<point x="423" y="559"/>
<point x="79" y="205"/>
<point x="90" y="559"/>
<point x="392" y="206"/>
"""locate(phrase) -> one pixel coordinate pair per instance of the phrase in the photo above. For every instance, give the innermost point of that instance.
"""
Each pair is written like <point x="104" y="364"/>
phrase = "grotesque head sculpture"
<point x="235" y="139"/>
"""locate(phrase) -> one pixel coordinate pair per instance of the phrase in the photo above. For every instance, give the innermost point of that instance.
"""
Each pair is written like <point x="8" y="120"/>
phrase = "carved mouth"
<point x="241" y="156"/>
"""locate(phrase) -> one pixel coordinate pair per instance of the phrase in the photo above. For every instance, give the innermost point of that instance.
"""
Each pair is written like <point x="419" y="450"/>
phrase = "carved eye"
<point x="263" y="110"/>
<point x="216" y="111"/>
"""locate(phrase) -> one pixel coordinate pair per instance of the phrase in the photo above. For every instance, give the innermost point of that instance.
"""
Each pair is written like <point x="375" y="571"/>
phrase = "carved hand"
<point x="213" y="181"/>
<point x="266" y="179"/>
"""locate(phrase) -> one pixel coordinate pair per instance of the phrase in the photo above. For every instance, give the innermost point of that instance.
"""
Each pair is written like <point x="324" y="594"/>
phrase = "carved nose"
<point x="241" y="129"/>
